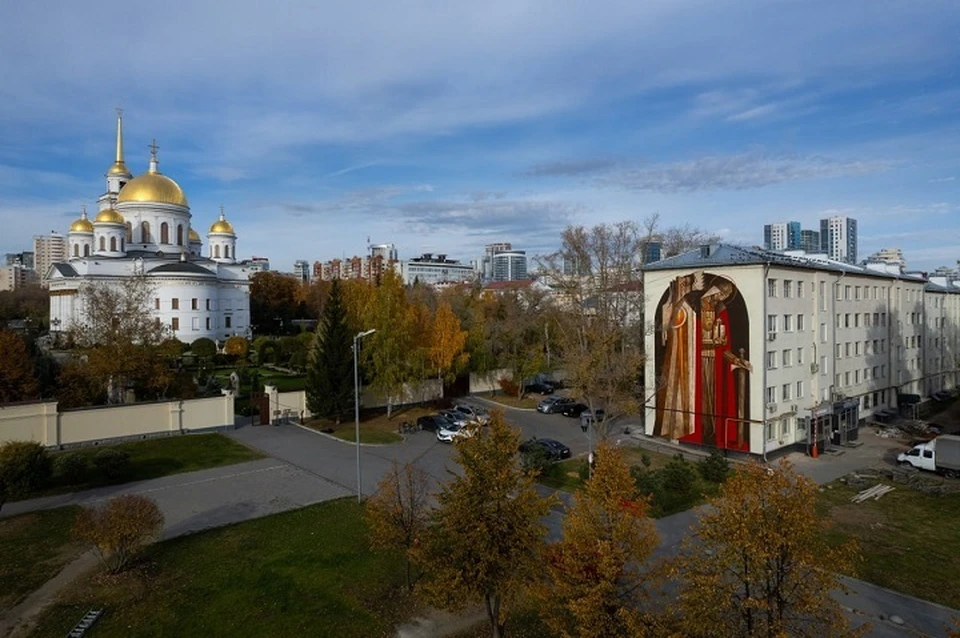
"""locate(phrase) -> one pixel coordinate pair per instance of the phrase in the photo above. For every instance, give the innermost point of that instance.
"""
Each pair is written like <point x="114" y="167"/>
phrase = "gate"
<point x="264" y="405"/>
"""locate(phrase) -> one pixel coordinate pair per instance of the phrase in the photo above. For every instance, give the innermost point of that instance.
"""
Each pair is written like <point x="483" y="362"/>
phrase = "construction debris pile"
<point x="903" y="475"/>
<point x="906" y="429"/>
<point x="874" y="492"/>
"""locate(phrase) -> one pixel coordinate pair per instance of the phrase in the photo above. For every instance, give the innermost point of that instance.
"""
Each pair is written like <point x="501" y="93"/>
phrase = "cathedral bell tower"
<point x="118" y="174"/>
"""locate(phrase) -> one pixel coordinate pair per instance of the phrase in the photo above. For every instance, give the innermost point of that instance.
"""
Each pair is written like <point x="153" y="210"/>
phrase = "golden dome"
<point x="222" y="225"/>
<point x="153" y="187"/>
<point x="194" y="235"/>
<point x="118" y="168"/>
<point x="109" y="216"/>
<point x="82" y="225"/>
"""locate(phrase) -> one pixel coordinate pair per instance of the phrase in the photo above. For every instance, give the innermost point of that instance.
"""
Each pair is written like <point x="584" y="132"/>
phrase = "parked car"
<point x="587" y="417"/>
<point x="473" y="413"/>
<point x="457" y="418"/>
<point x="941" y="455"/>
<point x="555" y="450"/>
<point x="573" y="409"/>
<point x="551" y="405"/>
<point x="451" y="431"/>
<point x="432" y="422"/>
<point x="538" y="388"/>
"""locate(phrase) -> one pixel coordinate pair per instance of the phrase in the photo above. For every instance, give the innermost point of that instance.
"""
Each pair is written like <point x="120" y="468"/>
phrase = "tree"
<point x="17" y="381"/>
<point x="391" y="349"/>
<point x="760" y="564"/>
<point x="447" y="343"/>
<point x="236" y="347"/>
<point x="330" y="377"/>
<point x="204" y="348"/>
<point x="398" y="512"/>
<point x="119" y="529"/>
<point x="273" y="302"/>
<point x="24" y="468"/>
<point x="486" y="535"/>
<point x="516" y="333"/>
<point x="594" y="581"/>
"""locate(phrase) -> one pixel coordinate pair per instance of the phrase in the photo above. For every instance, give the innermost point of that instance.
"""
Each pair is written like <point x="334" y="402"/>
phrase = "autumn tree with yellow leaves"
<point x="398" y="512"/>
<point x="596" y="580"/>
<point x="486" y="536"/>
<point x="759" y="565"/>
<point x="447" y="344"/>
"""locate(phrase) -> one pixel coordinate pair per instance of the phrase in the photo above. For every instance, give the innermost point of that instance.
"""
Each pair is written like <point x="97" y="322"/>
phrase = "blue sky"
<point x="442" y="126"/>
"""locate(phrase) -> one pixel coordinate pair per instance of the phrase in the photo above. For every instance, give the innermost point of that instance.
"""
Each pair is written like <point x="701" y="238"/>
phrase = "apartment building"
<point x="48" y="250"/>
<point x="758" y="351"/>
<point x="17" y="276"/>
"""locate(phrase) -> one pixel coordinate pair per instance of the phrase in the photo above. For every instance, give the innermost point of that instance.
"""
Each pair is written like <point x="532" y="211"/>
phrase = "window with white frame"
<point x="771" y="287"/>
<point x="787" y="357"/>
<point x="771" y="323"/>
<point x="771" y="360"/>
<point x="799" y="389"/>
<point x="787" y="323"/>
<point x="799" y="356"/>
<point x="787" y="288"/>
<point x="800" y="323"/>
<point x="771" y="394"/>
<point x="785" y="392"/>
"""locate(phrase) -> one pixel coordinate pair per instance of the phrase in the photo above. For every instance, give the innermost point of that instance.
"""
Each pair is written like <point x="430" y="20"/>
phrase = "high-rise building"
<point x="24" y="259"/>
<point x="888" y="256"/>
<point x="485" y="266"/>
<point x="17" y="276"/>
<point x="782" y="236"/>
<point x="301" y="268"/>
<point x="650" y="252"/>
<point x="386" y="252"/>
<point x="838" y="238"/>
<point x="810" y="241"/>
<point x="48" y="250"/>
<point x="510" y="266"/>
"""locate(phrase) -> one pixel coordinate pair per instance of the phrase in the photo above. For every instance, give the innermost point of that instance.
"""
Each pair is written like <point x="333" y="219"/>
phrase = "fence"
<point x="41" y="422"/>
<point x="293" y="405"/>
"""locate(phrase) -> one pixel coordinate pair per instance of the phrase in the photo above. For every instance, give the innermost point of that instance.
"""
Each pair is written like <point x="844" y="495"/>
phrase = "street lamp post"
<point x="356" y="402"/>
<point x="586" y="426"/>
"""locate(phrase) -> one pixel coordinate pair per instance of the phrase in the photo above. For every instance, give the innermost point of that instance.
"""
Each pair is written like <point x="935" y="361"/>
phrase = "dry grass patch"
<point x="375" y="427"/>
<point x="529" y="402"/>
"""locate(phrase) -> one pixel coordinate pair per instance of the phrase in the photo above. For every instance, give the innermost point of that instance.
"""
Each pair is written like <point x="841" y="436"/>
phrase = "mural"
<point x="702" y="362"/>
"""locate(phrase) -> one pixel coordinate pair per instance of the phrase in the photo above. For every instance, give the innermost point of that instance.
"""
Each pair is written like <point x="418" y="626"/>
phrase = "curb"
<point x="353" y="443"/>
<point x="497" y="404"/>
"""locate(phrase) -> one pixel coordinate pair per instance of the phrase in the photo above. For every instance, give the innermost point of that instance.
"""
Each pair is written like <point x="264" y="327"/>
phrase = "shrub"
<point x="204" y="347"/>
<point x="648" y="483"/>
<point x="535" y="459"/>
<point x="24" y="468"/>
<point x="715" y="468"/>
<point x="645" y="459"/>
<point x="679" y="482"/>
<point x="508" y="386"/>
<point x="71" y="468"/>
<point x="237" y="347"/>
<point x="113" y="464"/>
<point x="119" y="529"/>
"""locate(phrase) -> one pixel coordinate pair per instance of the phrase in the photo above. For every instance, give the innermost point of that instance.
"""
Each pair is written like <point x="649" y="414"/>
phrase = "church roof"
<point x="66" y="270"/>
<point x="181" y="267"/>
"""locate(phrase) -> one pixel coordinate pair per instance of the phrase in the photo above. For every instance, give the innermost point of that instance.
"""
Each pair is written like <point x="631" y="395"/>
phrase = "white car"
<point x="473" y="413"/>
<point x="451" y="431"/>
<point x="457" y="418"/>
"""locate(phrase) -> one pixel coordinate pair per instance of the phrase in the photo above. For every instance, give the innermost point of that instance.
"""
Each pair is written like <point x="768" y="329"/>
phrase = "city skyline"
<point x="502" y="122"/>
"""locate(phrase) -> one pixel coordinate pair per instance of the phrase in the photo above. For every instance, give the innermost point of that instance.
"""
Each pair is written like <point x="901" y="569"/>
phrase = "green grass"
<point x="309" y="572"/>
<point x="153" y="458"/>
<point x="909" y="541"/>
<point x="33" y="548"/>
<point x="564" y="475"/>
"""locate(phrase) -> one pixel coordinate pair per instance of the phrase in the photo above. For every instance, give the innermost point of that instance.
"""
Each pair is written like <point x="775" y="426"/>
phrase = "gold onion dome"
<point x="194" y="235"/>
<point x="153" y="187"/>
<point x="109" y="216"/>
<point x="82" y="225"/>
<point x="222" y="225"/>
<point x="118" y="168"/>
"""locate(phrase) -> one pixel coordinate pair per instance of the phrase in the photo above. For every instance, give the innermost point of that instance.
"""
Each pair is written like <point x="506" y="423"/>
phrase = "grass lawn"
<point x="153" y="458"/>
<point x="564" y="475"/>
<point x="33" y="548"/>
<point x="309" y="572"/>
<point x="375" y="427"/>
<point x="909" y="541"/>
<point x="528" y="402"/>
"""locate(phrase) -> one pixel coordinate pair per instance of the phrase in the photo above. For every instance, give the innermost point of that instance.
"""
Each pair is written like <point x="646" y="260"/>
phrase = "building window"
<point x="86" y="250"/>
<point x="76" y="250"/>
<point x="787" y="357"/>
<point x="799" y="356"/>
<point x="113" y="244"/>
<point x="856" y="293"/>
<point x="771" y="360"/>
<point x="176" y="303"/>
<point x="771" y="287"/>
<point x="156" y="303"/>
<point x="164" y="233"/>
<point x="846" y="293"/>
<point x="785" y="392"/>
<point x="179" y="234"/>
<point x="226" y="252"/>
<point x="846" y="349"/>
<point x="823" y="333"/>
<point x="208" y="323"/>
<point x="787" y="288"/>
<point x="145" y="233"/>
<point x="196" y="323"/>
<point x="208" y="304"/>
<point x="771" y="395"/>
<point x="846" y="378"/>
<point x="216" y="252"/>
<point x="839" y="320"/>
<point x="839" y="351"/>
<point x="837" y="291"/>
<point x="799" y="390"/>
<point x="800" y="323"/>
<point x="768" y="430"/>
<point x="227" y="322"/>
<point x="787" y="323"/>
<point x="194" y="304"/>
<point x="771" y="323"/>
<point x="103" y="244"/>
<point x="175" y="323"/>
<point x="799" y="289"/>
<point x="823" y="365"/>
<point x="856" y="348"/>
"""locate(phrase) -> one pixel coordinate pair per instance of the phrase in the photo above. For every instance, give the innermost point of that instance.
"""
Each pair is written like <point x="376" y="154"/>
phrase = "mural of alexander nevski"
<point x="702" y="362"/>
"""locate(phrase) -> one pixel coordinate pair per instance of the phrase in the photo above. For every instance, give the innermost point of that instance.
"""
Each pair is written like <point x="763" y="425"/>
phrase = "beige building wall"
<point x="42" y="423"/>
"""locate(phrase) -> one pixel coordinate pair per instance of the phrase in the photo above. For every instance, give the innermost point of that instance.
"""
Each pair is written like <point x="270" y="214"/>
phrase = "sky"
<point x="444" y="126"/>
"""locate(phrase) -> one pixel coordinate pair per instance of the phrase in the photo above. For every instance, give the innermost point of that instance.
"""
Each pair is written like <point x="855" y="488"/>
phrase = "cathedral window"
<point x="175" y="323"/>
<point x="156" y="303"/>
<point x="76" y="250"/>
<point x="129" y="232"/>
<point x="226" y="252"/>
<point x="194" y="304"/>
<point x="179" y="235"/>
<point x="208" y="323"/>
<point x="227" y="321"/>
<point x="145" y="232"/>
<point x="103" y="244"/>
<point x="216" y="252"/>
<point x="176" y="303"/>
<point x="164" y="233"/>
<point x="113" y="244"/>
<point x="86" y="250"/>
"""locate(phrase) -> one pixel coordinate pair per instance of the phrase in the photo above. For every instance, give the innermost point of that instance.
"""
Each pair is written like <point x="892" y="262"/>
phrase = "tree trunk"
<point x="493" y="613"/>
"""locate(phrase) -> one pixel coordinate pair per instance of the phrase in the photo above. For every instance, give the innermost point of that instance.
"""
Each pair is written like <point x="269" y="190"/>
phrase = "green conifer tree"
<point x="330" y="376"/>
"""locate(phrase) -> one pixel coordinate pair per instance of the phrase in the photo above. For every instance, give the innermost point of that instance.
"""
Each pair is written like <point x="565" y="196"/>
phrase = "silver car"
<point x="473" y="413"/>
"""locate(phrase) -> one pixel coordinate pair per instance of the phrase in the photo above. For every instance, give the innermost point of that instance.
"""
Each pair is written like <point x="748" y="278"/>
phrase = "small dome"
<point x="194" y="236"/>
<point x="222" y="226"/>
<point x="109" y="216"/>
<point x="82" y="225"/>
<point x="118" y="168"/>
<point x="153" y="187"/>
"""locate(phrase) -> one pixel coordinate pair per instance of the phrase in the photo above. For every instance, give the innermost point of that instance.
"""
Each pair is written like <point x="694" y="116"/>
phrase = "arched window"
<point x="164" y="233"/>
<point x="103" y="244"/>
<point x="226" y="252"/>
<point x="86" y="250"/>
<point x="129" y="232"/>
<point x="216" y="251"/>
<point x="113" y="244"/>
<point x="145" y="232"/>
<point x="122" y="247"/>
<point x="179" y="235"/>
<point x="76" y="250"/>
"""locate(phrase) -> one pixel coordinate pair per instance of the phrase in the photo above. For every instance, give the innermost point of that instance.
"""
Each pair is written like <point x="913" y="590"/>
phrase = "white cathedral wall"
<point x="155" y="215"/>
<point x="217" y="305"/>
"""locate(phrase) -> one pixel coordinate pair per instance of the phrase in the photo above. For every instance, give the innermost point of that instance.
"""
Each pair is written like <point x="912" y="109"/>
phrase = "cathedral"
<point x="144" y="227"/>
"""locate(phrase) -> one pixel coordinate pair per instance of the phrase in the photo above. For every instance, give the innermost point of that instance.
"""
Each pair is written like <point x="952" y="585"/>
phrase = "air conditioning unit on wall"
<point x="771" y="407"/>
<point x="771" y="336"/>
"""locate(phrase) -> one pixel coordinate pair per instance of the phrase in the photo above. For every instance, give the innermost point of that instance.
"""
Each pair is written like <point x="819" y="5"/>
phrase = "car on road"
<point x="451" y="431"/>
<point x="538" y="388"/>
<point x="432" y="422"/>
<point x="551" y="405"/>
<point x="457" y="418"/>
<point x="555" y="450"/>
<point x="473" y="413"/>
<point x="587" y="417"/>
<point x="573" y="409"/>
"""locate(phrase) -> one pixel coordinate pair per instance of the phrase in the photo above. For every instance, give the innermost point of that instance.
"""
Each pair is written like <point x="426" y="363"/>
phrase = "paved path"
<point x="209" y="498"/>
